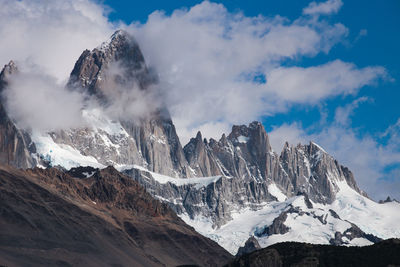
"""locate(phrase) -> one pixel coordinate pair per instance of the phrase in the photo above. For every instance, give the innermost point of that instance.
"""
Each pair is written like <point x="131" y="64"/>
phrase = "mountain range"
<point x="230" y="190"/>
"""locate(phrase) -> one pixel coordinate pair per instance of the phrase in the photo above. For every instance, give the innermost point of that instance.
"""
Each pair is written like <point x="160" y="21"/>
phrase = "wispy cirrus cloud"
<point x="323" y="8"/>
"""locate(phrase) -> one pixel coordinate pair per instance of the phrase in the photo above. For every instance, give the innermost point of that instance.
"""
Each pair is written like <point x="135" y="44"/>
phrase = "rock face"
<point x="50" y="218"/>
<point x="242" y="154"/>
<point x="247" y="154"/>
<point x="15" y="144"/>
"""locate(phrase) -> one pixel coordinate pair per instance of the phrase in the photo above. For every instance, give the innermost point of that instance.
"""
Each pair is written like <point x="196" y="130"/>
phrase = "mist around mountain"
<point x="230" y="190"/>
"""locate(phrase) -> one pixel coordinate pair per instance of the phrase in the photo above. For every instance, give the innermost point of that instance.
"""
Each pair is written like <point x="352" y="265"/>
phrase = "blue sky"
<point x="326" y="71"/>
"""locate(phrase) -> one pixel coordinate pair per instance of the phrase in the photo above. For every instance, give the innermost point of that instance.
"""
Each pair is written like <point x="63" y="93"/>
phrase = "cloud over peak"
<point x="51" y="34"/>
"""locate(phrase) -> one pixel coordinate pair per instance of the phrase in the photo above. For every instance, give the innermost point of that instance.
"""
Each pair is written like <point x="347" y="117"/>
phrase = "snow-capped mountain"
<point x="228" y="189"/>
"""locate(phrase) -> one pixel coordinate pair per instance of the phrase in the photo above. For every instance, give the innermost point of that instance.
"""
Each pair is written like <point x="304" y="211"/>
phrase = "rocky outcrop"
<point x="201" y="158"/>
<point x="250" y="246"/>
<point x="353" y="232"/>
<point x="277" y="226"/>
<point x="387" y="200"/>
<point x="16" y="145"/>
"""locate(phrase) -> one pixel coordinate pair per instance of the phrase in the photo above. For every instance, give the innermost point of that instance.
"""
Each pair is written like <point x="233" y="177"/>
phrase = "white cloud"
<point x="51" y="34"/>
<point x="37" y="101"/>
<point x="291" y="133"/>
<point x="46" y="38"/>
<point x="207" y="57"/>
<point x="325" y="8"/>
<point x="310" y="85"/>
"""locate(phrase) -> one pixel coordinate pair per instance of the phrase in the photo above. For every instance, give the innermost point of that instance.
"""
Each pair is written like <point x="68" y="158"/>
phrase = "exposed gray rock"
<point x="353" y="232"/>
<point x="201" y="158"/>
<point x="311" y="170"/>
<point x="250" y="246"/>
<point x="277" y="226"/>
<point x="94" y="69"/>
<point x="215" y="201"/>
<point x="387" y="200"/>
<point x="247" y="154"/>
<point x="242" y="154"/>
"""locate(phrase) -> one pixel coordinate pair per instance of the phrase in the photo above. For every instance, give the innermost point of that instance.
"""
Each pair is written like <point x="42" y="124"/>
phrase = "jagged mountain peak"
<point x="253" y="135"/>
<point x="315" y="147"/>
<point x="8" y="70"/>
<point x="198" y="136"/>
<point x="117" y="38"/>
<point x="118" y="62"/>
<point x="247" y="129"/>
<point x="123" y="46"/>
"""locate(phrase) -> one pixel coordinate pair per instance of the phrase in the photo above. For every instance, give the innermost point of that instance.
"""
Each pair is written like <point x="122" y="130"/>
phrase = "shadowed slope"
<point x="47" y="217"/>
<point x="385" y="253"/>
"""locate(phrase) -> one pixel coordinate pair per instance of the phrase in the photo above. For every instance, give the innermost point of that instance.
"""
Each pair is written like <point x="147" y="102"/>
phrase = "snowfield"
<point x="378" y="219"/>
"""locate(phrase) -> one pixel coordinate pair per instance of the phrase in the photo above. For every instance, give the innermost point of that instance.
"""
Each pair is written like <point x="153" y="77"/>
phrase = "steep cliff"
<point x="15" y="144"/>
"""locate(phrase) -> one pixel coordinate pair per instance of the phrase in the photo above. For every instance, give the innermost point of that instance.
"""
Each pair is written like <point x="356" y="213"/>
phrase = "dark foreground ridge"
<point x="50" y="218"/>
<point x="384" y="253"/>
